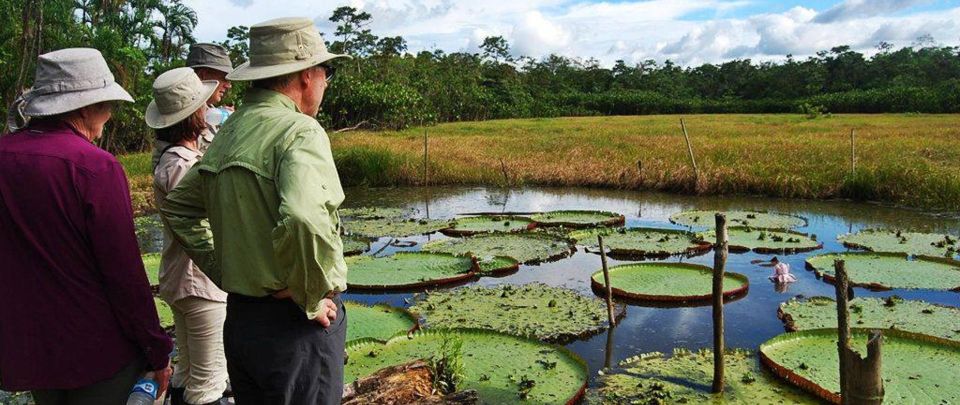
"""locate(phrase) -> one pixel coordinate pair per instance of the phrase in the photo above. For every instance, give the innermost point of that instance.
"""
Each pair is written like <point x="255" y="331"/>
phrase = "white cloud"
<point x="633" y="30"/>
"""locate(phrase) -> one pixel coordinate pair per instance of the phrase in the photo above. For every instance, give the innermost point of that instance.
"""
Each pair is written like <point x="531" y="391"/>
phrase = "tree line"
<point x="388" y="87"/>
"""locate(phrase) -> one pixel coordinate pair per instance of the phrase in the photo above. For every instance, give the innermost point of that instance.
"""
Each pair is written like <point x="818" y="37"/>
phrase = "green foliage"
<point x="907" y="315"/>
<point x="447" y="365"/>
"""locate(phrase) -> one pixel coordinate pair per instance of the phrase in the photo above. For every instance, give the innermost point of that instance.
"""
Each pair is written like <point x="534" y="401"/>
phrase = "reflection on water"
<point x="749" y="321"/>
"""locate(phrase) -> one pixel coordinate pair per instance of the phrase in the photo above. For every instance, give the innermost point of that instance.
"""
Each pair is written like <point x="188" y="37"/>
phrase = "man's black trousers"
<point x="276" y="356"/>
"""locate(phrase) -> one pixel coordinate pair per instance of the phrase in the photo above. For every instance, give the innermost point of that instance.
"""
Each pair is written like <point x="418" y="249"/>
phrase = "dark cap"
<point x="211" y="56"/>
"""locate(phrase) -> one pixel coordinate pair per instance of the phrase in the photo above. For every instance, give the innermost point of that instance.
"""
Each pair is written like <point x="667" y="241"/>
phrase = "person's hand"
<point x="162" y="377"/>
<point x="328" y="312"/>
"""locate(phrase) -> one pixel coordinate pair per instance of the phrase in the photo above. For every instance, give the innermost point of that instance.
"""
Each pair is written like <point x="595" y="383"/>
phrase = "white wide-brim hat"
<point x="282" y="46"/>
<point x="70" y="79"/>
<point x="177" y="94"/>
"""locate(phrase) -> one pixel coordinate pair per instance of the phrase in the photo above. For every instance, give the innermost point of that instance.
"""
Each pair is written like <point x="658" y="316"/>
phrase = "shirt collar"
<point x="256" y="95"/>
<point x="185" y="152"/>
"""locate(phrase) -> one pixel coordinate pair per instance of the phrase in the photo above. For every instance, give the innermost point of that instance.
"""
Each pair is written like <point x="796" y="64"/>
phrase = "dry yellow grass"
<point x="904" y="159"/>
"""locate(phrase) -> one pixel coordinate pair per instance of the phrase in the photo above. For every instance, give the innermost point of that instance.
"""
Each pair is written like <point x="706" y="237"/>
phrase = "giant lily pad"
<point x="374" y="212"/>
<point x="533" y="310"/>
<point x="164" y="312"/>
<point x="408" y="270"/>
<point x="891" y="313"/>
<point x="151" y="262"/>
<point x="742" y="239"/>
<point x="668" y="282"/>
<point x="395" y="227"/>
<point x="488" y="224"/>
<point x="916" y="368"/>
<point x="685" y="377"/>
<point x="641" y="242"/>
<point x="379" y="322"/>
<point x="353" y="246"/>
<point x="915" y="243"/>
<point x="578" y="219"/>
<point x="526" y="248"/>
<point x="884" y="271"/>
<point x="498" y="265"/>
<point x="502" y="368"/>
<point x="752" y="219"/>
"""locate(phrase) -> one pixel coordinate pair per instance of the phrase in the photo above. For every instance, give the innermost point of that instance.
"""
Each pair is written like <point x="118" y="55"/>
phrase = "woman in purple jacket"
<point x="77" y="320"/>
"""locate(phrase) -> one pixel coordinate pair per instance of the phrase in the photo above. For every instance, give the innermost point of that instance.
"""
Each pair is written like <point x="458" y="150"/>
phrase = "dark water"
<point x="749" y="321"/>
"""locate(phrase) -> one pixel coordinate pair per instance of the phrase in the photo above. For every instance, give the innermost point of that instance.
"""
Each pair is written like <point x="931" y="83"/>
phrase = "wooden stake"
<point x="720" y="253"/>
<point x="861" y="381"/>
<point x="853" y="151"/>
<point x="693" y="161"/>
<point x="503" y="169"/>
<point x="608" y="354"/>
<point x="606" y="282"/>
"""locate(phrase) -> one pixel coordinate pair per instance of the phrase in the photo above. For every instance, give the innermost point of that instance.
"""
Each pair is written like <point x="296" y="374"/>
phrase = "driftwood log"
<point x="410" y="383"/>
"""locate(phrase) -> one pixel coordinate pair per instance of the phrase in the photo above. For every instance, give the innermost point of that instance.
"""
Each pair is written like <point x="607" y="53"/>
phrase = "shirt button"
<point x="324" y="186"/>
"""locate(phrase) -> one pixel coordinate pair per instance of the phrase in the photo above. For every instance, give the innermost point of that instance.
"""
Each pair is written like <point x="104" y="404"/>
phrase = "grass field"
<point x="911" y="160"/>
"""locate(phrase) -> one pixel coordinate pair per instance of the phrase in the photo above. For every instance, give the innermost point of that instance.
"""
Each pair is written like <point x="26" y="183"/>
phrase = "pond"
<point x="750" y="321"/>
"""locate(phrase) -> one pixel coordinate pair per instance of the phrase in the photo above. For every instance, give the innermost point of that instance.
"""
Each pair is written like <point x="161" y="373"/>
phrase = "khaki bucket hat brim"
<point x="245" y="72"/>
<point x="45" y="105"/>
<point x="158" y="120"/>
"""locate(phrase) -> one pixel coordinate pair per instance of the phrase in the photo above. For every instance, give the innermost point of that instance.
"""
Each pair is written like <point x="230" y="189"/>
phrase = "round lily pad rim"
<point x="345" y="213"/>
<point x="571" y="245"/>
<point x="452" y="230"/>
<point x="502" y="271"/>
<point x="853" y="245"/>
<point x="477" y="331"/>
<point x="615" y="219"/>
<point x="790" y="325"/>
<point x="617" y="292"/>
<point x="806" y="222"/>
<point x="414" y="318"/>
<point x="766" y="250"/>
<point x="875" y="286"/>
<point x="699" y="247"/>
<point x="421" y="284"/>
<point x="619" y="312"/>
<point x="805" y="384"/>
<point x="374" y="237"/>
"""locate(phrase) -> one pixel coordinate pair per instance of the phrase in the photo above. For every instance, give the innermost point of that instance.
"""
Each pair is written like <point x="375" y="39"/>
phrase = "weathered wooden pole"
<point x="693" y="161"/>
<point x="861" y="381"/>
<point x="606" y="282"/>
<point x="853" y="151"/>
<point x="720" y="252"/>
<point x="608" y="353"/>
<point x="503" y="169"/>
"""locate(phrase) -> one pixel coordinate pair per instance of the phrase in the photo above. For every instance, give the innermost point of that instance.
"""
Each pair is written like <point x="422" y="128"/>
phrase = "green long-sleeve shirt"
<point x="258" y="213"/>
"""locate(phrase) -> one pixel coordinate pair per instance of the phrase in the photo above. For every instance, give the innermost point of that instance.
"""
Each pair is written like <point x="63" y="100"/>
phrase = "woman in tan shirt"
<point x="199" y="307"/>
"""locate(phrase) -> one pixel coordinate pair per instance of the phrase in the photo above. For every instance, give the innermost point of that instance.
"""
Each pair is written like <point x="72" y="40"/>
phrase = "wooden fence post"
<point x="853" y="151"/>
<point x="693" y="161"/>
<point x="861" y="381"/>
<point x="720" y="253"/>
<point x="606" y="282"/>
<point x="426" y="151"/>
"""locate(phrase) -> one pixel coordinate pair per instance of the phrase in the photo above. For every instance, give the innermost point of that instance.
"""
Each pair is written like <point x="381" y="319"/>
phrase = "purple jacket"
<point x="75" y="303"/>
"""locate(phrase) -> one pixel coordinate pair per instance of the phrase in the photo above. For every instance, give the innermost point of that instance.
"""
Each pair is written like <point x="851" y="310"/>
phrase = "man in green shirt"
<point x="258" y="214"/>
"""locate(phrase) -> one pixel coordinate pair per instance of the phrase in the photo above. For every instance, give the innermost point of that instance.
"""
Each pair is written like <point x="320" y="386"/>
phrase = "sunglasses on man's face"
<point x="328" y="71"/>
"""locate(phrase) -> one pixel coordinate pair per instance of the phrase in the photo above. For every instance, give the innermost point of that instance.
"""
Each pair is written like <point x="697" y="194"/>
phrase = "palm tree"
<point x="177" y="25"/>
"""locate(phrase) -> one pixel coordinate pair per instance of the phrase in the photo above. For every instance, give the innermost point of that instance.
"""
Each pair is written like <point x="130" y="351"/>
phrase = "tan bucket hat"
<point x="177" y="94"/>
<point x="211" y="56"/>
<point x="67" y="80"/>
<point x="282" y="46"/>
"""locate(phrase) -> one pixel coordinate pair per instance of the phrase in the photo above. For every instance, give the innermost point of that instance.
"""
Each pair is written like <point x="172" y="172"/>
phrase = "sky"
<point x="685" y="31"/>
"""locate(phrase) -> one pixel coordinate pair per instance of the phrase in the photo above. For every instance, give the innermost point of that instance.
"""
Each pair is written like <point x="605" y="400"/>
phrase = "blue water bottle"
<point x="144" y="392"/>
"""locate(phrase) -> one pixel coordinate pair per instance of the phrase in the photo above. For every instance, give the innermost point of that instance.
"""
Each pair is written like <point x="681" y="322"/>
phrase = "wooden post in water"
<point x="853" y="151"/>
<point x="861" y="381"/>
<point x="606" y="282"/>
<point x="503" y="169"/>
<point x="720" y="252"/>
<point x="693" y="161"/>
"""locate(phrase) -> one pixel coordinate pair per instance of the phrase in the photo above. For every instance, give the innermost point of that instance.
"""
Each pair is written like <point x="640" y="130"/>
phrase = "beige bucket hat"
<point x="211" y="56"/>
<point x="177" y="94"/>
<point x="67" y="80"/>
<point x="282" y="46"/>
